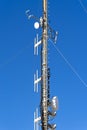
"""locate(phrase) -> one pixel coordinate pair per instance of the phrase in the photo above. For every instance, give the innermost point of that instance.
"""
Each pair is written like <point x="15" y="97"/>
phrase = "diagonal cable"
<point x="82" y="5"/>
<point x="70" y="66"/>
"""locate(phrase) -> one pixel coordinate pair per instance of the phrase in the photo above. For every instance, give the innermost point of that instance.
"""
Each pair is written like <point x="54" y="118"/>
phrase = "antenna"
<point x="48" y="106"/>
<point x="36" y="25"/>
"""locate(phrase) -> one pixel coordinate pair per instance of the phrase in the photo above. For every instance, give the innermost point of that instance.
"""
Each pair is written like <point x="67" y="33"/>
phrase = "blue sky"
<point x="67" y="60"/>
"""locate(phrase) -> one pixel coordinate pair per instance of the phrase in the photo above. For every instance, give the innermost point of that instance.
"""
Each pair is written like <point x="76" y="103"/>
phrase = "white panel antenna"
<point x="54" y="103"/>
<point x="36" y="44"/>
<point x="36" y="81"/>
<point x="37" y="119"/>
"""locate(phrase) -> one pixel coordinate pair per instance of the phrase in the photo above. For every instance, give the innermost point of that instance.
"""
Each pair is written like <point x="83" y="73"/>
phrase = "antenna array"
<point x="48" y="106"/>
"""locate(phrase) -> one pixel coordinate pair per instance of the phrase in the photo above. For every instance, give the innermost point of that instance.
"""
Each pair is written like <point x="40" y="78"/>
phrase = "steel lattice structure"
<point x="48" y="106"/>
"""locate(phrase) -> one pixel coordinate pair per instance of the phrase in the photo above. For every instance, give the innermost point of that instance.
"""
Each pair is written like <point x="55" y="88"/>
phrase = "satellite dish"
<point x="36" y="25"/>
<point x="54" y="103"/>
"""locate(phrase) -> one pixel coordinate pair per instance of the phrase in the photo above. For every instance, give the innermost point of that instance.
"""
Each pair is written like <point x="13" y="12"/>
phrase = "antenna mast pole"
<point x="48" y="107"/>
<point x="44" y="67"/>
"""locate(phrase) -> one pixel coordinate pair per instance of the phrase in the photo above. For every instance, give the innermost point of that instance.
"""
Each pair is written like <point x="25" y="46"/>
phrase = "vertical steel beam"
<point x="44" y="82"/>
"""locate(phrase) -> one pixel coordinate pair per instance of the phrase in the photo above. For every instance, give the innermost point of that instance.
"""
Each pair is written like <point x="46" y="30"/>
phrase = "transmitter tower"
<point x="48" y="105"/>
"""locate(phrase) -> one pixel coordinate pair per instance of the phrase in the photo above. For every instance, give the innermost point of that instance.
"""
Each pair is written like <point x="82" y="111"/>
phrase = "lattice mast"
<point x="44" y="73"/>
<point x="48" y="106"/>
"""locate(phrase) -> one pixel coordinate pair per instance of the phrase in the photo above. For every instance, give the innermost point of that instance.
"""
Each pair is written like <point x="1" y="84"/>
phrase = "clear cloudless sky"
<point x="18" y="64"/>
